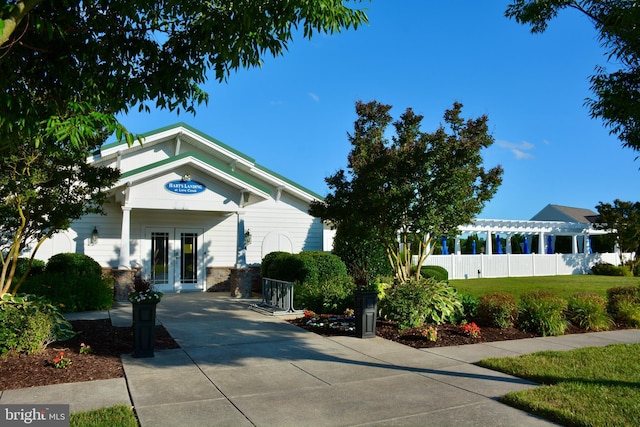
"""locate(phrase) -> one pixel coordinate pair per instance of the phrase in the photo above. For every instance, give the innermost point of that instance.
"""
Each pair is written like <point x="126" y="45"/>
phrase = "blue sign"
<point x="185" y="187"/>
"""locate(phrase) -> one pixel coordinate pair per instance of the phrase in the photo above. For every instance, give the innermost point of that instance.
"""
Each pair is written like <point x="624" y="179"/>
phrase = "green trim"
<point x="288" y="181"/>
<point x="190" y="128"/>
<point x="209" y="161"/>
<point x="212" y="162"/>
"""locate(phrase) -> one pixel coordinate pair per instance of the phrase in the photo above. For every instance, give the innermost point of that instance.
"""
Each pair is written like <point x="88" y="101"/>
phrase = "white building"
<point x="192" y="213"/>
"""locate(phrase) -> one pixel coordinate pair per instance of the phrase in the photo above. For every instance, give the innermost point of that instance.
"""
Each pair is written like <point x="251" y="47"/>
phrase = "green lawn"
<point x="598" y="386"/>
<point x="119" y="415"/>
<point x="564" y="286"/>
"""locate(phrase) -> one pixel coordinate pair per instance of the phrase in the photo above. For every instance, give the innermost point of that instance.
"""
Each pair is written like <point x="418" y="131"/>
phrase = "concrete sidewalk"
<point x="237" y="367"/>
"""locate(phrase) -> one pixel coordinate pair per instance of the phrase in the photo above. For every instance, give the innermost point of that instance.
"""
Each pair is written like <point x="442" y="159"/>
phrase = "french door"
<point x="174" y="260"/>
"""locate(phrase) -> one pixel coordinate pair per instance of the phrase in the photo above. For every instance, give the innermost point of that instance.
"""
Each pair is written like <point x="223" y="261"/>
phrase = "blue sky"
<point x="293" y="114"/>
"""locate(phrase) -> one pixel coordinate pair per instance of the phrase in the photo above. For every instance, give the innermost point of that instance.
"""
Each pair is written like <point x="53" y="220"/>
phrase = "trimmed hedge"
<point x="436" y="272"/>
<point x="605" y="269"/>
<point x="73" y="282"/>
<point x="322" y="282"/>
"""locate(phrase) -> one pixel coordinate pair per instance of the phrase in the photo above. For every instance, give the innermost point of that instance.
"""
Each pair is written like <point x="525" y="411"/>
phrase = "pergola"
<point x="546" y="230"/>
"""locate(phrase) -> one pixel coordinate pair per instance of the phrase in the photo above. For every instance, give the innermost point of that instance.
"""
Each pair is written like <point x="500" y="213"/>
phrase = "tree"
<point x="616" y="93"/>
<point x="413" y="189"/>
<point x="624" y="219"/>
<point x="68" y="68"/>
<point x="42" y="190"/>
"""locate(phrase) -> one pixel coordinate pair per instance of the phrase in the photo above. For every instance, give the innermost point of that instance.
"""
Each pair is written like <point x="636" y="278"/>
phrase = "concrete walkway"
<point x="237" y="367"/>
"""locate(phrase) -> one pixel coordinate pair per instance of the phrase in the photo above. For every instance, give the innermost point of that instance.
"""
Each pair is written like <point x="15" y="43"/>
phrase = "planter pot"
<point x="144" y="329"/>
<point x="366" y="313"/>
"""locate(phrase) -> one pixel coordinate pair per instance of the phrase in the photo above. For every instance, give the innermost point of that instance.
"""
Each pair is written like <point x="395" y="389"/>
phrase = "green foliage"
<point x="542" y="312"/>
<point x="498" y="309"/>
<point x="322" y="282"/>
<point x="469" y="311"/>
<point x="37" y="267"/>
<point x="416" y="302"/>
<point x="606" y="269"/>
<point x="623" y="304"/>
<point x="624" y="218"/>
<point x="359" y="248"/>
<point x="325" y="286"/>
<point x="406" y="190"/>
<point x="73" y="282"/>
<point x="29" y="324"/>
<point x="74" y="264"/>
<point x="436" y="272"/>
<point x="77" y="66"/>
<point x="282" y="266"/>
<point x="589" y="312"/>
<point x="38" y="200"/>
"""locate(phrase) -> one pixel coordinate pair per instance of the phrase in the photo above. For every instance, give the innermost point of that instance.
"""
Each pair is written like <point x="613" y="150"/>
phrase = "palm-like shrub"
<point x="589" y="312"/>
<point x="416" y="302"/>
<point x="497" y="309"/>
<point x="542" y="312"/>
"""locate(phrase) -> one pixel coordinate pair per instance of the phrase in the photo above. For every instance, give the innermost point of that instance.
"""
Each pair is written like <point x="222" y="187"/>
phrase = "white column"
<point x="509" y="249"/>
<point x="124" y="263"/>
<point x="489" y="243"/>
<point x="574" y="244"/>
<point x="458" y="250"/>
<point x="241" y="257"/>
<point x="541" y="244"/>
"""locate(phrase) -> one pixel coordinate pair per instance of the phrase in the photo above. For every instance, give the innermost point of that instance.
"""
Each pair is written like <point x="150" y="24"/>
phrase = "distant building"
<point x="567" y="214"/>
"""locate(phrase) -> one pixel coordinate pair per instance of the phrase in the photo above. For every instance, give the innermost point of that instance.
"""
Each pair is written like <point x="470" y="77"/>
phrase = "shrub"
<point x="324" y="285"/>
<point x="605" y="269"/>
<point x="542" y="312"/>
<point x="416" y="302"/>
<point x="435" y="272"/>
<point x="497" y="309"/>
<point x="281" y="266"/>
<point x="469" y="310"/>
<point x="37" y="267"/>
<point x="322" y="282"/>
<point x="589" y="312"/>
<point x="623" y="304"/>
<point x="29" y="324"/>
<point x="73" y="282"/>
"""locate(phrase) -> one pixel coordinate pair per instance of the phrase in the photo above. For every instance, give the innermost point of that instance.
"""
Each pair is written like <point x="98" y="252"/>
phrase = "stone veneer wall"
<point x="239" y="282"/>
<point x="123" y="282"/>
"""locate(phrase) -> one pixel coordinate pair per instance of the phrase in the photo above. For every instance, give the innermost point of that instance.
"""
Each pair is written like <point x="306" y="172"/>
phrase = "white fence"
<point x="510" y="265"/>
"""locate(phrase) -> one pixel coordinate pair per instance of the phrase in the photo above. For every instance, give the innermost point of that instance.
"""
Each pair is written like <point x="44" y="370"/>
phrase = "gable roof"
<point x="566" y="213"/>
<point x="218" y="157"/>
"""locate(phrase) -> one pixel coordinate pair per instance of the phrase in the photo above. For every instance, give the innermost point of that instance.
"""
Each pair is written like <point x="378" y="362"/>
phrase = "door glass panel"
<point x="188" y="258"/>
<point x="160" y="258"/>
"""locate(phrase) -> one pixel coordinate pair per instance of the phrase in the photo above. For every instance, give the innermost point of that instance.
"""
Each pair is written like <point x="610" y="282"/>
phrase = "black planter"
<point x="366" y="313"/>
<point x="144" y="329"/>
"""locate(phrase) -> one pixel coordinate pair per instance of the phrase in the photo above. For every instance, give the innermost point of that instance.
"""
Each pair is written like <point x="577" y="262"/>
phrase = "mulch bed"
<point x="103" y="362"/>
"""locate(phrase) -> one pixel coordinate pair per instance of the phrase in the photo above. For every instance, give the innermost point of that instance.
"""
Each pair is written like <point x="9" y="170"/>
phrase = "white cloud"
<point x="315" y="97"/>
<point x="520" y="150"/>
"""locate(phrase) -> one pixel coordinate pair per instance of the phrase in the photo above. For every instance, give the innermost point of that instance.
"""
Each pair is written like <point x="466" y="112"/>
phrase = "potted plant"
<point x="144" y="299"/>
